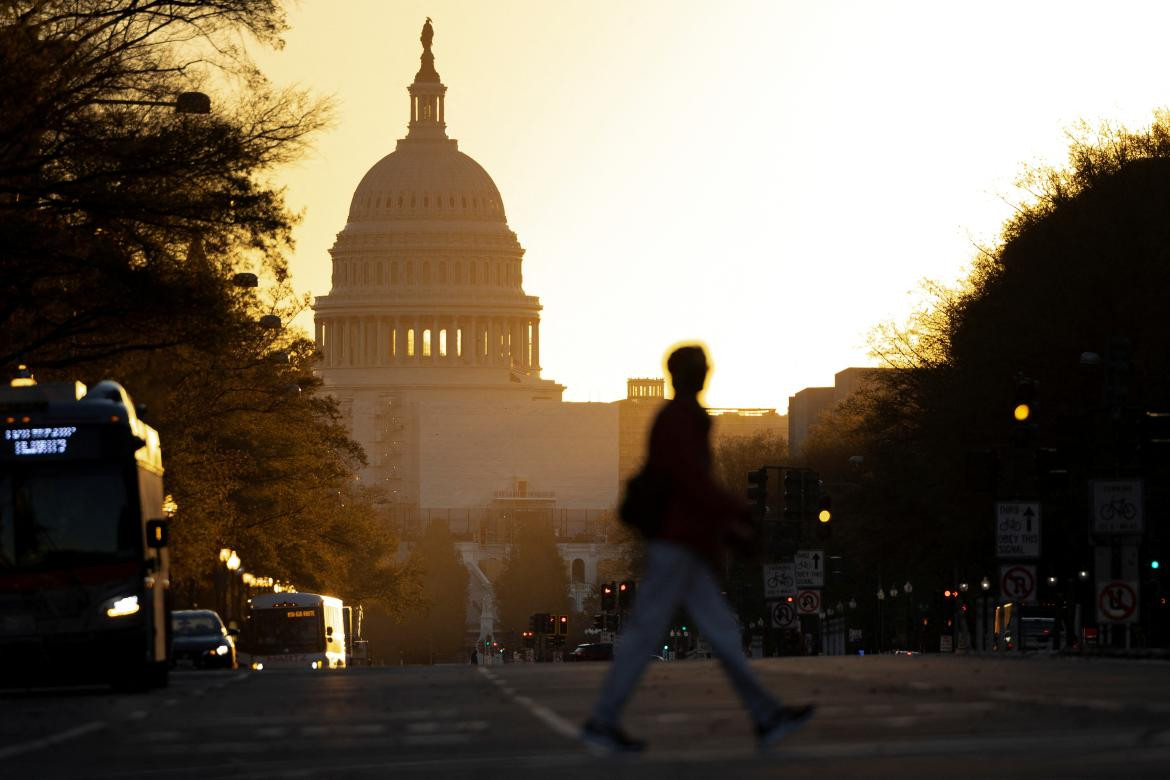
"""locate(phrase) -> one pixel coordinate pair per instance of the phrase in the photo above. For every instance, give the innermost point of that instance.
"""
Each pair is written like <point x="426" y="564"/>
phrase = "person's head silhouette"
<point x="688" y="370"/>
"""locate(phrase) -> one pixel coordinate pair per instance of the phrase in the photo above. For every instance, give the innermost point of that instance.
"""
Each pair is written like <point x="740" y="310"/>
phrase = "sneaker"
<point x="782" y="723"/>
<point x="609" y="739"/>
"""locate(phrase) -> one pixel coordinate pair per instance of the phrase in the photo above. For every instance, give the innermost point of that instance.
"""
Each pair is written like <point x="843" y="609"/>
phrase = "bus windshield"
<point x="287" y="630"/>
<point x="64" y="513"/>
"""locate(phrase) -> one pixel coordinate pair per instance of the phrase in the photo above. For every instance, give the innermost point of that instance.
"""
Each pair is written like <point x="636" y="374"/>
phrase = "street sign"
<point x="1017" y="529"/>
<point x="855" y="635"/>
<point x="808" y="602"/>
<point x="810" y="569"/>
<point x="1117" y="601"/>
<point x="1117" y="506"/>
<point x="779" y="580"/>
<point x="783" y="614"/>
<point x="1017" y="583"/>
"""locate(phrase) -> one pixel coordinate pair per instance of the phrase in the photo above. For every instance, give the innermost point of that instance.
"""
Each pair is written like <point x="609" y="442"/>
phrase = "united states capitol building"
<point x="432" y="347"/>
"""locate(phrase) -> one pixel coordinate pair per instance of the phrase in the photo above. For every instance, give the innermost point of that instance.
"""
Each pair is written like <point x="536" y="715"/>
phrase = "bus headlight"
<point x="315" y="665"/>
<point x="222" y="650"/>
<point x="121" y="607"/>
<point x="257" y="665"/>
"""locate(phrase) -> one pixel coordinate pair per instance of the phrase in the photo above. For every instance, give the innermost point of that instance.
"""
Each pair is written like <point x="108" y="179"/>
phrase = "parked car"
<point x="595" y="651"/>
<point x="200" y="640"/>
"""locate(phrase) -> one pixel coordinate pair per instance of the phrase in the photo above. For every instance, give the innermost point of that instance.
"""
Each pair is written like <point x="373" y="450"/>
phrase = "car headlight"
<point x="121" y="606"/>
<point x="222" y="650"/>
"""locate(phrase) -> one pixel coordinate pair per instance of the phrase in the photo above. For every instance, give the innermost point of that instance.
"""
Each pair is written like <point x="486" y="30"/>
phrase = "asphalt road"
<point x="890" y="716"/>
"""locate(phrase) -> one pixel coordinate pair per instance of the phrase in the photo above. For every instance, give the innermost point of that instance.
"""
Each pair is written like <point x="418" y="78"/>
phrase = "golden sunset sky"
<point x="773" y="178"/>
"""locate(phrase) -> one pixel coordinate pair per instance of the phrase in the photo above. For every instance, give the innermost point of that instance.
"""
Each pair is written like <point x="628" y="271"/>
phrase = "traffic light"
<point x="550" y="624"/>
<point x="793" y="495"/>
<point x="625" y="594"/>
<point x="562" y="625"/>
<point x="824" y="517"/>
<point x="1024" y="409"/>
<point x="608" y="597"/>
<point x="757" y="491"/>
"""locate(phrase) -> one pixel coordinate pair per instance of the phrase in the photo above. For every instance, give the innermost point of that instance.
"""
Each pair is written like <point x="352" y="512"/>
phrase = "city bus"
<point x="84" y="567"/>
<point x="295" y="631"/>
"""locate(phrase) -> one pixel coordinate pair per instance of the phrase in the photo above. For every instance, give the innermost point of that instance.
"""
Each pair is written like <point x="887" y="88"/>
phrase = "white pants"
<point x="675" y="575"/>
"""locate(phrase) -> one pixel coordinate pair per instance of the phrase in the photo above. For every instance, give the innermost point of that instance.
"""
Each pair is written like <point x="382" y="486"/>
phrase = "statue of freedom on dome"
<point x="428" y="35"/>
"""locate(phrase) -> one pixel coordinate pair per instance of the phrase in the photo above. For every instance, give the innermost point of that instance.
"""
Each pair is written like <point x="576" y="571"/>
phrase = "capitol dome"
<point x="427" y="284"/>
<point x="426" y="180"/>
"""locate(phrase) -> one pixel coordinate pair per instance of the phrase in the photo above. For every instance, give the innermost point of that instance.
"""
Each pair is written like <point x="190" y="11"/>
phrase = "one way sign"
<point x="810" y="569"/>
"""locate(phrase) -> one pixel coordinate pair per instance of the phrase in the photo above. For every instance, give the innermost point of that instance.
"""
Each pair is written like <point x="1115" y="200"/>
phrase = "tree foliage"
<point x="122" y="225"/>
<point x="100" y="201"/>
<point x="535" y="577"/>
<point x="435" y="628"/>
<point x="1081" y="267"/>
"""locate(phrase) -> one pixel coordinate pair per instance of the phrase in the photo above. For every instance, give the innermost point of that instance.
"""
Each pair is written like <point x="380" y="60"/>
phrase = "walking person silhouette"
<point x="684" y="553"/>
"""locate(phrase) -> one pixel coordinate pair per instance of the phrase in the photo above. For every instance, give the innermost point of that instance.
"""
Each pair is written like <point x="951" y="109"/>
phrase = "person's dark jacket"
<point x="700" y="513"/>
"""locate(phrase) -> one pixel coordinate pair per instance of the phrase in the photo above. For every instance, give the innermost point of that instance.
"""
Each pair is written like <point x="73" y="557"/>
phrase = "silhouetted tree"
<point x="102" y="202"/>
<point x="434" y="629"/>
<point x="1081" y="266"/>
<point x="535" y="577"/>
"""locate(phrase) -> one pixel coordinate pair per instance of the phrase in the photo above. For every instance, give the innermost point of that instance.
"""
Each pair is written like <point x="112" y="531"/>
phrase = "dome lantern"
<point x="427" y="121"/>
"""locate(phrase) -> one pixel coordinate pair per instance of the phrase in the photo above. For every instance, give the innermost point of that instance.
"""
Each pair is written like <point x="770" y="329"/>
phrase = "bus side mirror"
<point x="156" y="534"/>
<point x="329" y="631"/>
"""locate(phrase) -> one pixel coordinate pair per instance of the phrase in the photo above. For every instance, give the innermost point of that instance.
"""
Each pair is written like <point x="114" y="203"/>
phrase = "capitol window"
<point x="426" y="343"/>
<point x="399" y="201"/>
<point x="409" y="272"/>
<point x="394" y="272"/>
<point x="443" y="343"/>
<point x="426" y="272"/>
<point x="410" y="342"/>
<point x="442" y="272"/>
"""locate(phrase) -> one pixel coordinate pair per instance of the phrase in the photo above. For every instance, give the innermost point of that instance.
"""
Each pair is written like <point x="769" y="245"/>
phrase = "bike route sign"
<point x="1017" y="583"/>
<point x="1017" y="529"/>
<point x="1117" y="506"/>
<point x="783" y="614"/>
<point x="810" y="569"/>
<point x="779" y="580"/>
<point x="1117" y="601"/>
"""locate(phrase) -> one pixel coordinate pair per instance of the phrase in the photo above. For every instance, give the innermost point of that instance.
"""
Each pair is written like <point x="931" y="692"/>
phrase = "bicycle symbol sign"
<point x="779" y="580"/>
<point x="1018" y="583"/>
<point x="1117" y="506"/>
<point x="1117" y="602"/>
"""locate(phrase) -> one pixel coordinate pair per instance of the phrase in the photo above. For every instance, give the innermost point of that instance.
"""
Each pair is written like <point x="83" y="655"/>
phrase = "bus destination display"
<point x="40" y="441"/>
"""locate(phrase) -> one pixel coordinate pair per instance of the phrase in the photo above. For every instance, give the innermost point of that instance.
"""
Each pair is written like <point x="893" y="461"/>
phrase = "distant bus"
<point x="295" y="631"/>
<point x="84" y="567"/>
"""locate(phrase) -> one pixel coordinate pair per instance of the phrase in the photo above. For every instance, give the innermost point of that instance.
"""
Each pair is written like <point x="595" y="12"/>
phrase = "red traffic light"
<point x="623" y="587"/>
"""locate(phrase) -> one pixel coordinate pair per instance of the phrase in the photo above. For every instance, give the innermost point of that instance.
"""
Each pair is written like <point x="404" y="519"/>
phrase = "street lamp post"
<point x="184" y="103"/>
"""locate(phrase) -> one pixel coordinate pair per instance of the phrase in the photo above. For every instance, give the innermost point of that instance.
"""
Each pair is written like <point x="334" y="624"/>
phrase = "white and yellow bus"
<point x="295" y="631"/>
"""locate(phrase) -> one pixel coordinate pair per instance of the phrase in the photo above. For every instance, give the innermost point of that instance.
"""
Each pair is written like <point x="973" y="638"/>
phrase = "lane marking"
<point x="542" y="713"/>
<point x="52" y="739"/>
